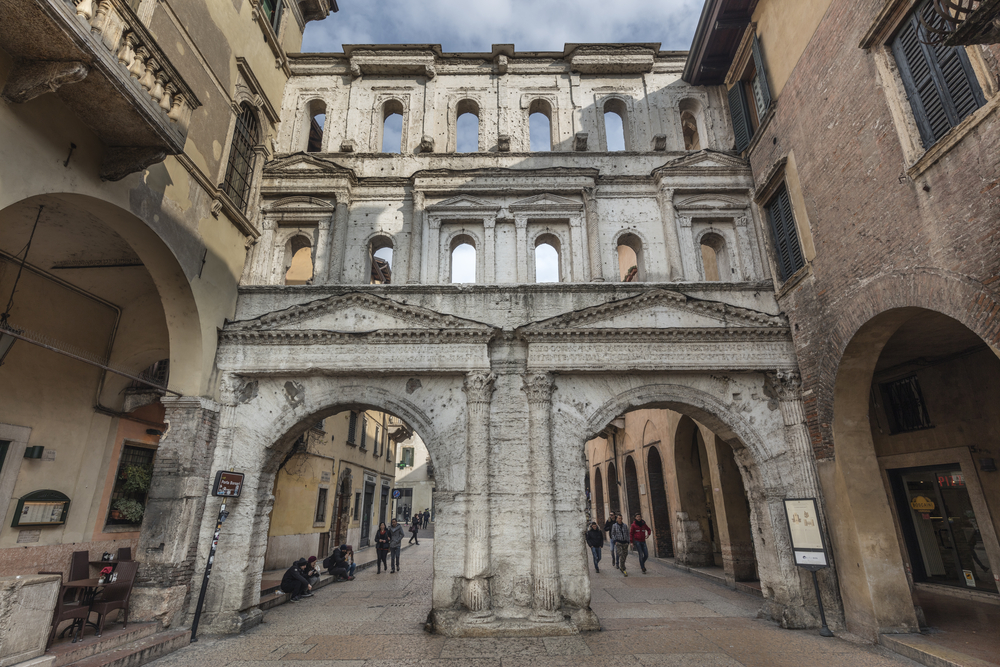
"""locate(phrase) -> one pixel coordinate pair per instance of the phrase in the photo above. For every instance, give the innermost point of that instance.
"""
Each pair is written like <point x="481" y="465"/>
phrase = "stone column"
<point x="176" y="502"/>
<point x="578" y="251"/>
<point x="690" y="259"/>
<point x="489" y="251"/>
<point x="478" y="388"/>
<point x="433" y="270"/>
<point x="338" y="242"/>
<point x="593" y="237"/>
<point x="416" y="237"/>
<point x="546" y="597"/>
<point x="665" y="196"/>
<point x="521" y="239"/>
<point x="321" y="261"/>
<point x="747" y="258"/>
<point x="785" y="387"/>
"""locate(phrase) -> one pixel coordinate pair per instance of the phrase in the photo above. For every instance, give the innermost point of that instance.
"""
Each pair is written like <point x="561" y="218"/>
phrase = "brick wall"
<point x="882" y="240"/>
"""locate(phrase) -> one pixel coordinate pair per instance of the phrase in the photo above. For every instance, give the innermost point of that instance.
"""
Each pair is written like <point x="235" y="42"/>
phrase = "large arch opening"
<point x="915" y="468"/>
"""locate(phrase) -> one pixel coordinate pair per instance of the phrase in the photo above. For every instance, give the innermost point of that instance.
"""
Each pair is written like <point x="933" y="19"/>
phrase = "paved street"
<point x="666" y="617"/>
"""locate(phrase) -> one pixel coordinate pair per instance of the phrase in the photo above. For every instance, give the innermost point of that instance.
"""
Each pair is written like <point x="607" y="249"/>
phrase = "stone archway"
<point x="659" y="505"/>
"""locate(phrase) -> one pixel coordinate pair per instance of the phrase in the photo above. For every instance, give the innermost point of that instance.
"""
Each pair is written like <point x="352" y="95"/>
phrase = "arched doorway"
<point x="613" y="493"/>
<point x="599" y="497"/>
<point x="631" y="490"/>
<point x="659" y="506"/>
<point x="912" y="468"/>
<point x="696" y="543"/>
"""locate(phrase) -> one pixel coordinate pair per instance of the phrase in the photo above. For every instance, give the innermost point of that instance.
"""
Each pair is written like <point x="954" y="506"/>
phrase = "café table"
<point x="89" y="589"/>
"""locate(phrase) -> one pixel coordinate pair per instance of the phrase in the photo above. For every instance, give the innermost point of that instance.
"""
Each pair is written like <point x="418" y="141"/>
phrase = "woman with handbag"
<point x="382" y="539"/>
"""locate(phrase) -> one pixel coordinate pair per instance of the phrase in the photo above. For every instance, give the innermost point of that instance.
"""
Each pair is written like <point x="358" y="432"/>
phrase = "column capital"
<point x="783" y="384"/>
<point x="479" y="387"/>
<point x="538" y="387"/>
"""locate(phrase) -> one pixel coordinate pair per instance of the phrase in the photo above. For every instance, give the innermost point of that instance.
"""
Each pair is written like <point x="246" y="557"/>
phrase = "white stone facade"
<point x="506" y="380"/>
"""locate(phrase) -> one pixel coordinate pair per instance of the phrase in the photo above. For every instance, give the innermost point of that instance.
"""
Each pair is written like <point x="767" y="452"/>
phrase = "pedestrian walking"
<point x="595" y="540"/>
<point x="294" y="581"/>
<point x="382" y="540"/>
<point x="638" y="533"/>
<point x="607" y="529"/>
<point x="427" y="518"/>
<point x="395" y="544"/>
<point x="414" y="527"/>
<point x="620" y="536"/>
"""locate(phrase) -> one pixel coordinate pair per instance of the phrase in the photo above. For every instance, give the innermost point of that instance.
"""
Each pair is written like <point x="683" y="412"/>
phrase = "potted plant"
<point x="130" y="510"/>
<point x="137" y="479"/>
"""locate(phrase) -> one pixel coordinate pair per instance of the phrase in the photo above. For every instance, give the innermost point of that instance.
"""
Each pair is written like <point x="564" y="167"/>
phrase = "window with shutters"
<point x="364" y="432"/>
<point x="749" y="93"/>
<point x="352" y="428"/>
<point x="239" y="168"/>
<point x="939" y="80"/>
<point x="787" y="250"/>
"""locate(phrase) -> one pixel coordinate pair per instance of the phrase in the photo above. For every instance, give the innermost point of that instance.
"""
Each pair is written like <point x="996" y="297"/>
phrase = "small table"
<point x="89" y="588"/>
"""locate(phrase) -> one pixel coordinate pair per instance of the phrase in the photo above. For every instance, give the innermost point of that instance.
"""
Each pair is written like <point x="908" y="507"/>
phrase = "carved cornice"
<point x="479" y="387"/>
<point x="692" y="335"/>
<point x="326" y="337"/>
<point x="538" y="387"/>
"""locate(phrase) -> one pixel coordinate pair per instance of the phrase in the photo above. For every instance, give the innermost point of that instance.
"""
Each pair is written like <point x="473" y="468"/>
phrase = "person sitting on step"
<point x="295" y="583"/>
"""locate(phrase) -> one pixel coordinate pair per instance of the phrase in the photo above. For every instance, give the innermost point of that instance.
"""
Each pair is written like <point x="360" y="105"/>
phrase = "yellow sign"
<point x="922" y="503"/>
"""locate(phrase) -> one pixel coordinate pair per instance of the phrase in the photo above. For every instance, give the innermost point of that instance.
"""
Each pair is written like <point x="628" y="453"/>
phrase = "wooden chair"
<point x="67" y="607"/>
<point x="79" y="566"/>
<point x="124" y="553"/>
<point x="116" y="595"/>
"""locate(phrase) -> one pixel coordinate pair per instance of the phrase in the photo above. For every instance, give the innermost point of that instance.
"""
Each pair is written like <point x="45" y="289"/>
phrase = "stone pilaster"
<point x="181" y="477"/>
<point x="546" y="596"/>
<point x="521" y="235"/>
<point x="665" y="196"/>
<point x="593" y="237"/>
<point x="478" y="388"/>
<point x="321" y="261"/>
<point x="785" y="387"/>
<point x="416" y="237"/>
<point x="338" y="245"/>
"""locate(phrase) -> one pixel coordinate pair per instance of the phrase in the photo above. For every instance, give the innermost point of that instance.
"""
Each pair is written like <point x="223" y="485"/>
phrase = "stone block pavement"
<point x="667" y="617"/>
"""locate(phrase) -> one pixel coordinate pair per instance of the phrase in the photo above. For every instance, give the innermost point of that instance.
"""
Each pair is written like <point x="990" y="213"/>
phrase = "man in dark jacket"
<point x="595" y="540"/>
<point x="607" y="529"/>
<point x="336" y="565"/>
<point x="295" y="583"/>
<point x="395" y="544"/>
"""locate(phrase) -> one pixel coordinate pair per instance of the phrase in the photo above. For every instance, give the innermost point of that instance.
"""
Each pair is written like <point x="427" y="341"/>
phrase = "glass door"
<point x="940" y="527"/>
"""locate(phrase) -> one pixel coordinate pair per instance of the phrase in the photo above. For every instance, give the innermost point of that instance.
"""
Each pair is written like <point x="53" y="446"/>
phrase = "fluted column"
<point x="489" y="251"/>
<point x="521" y="238"/>
<point x="670" y="236"/>
<point x="321" y="262"/>
<point x="478" y="388"/>
<point x="546" y="596"/>
<point x="416" y="237"/>
<point x="593" y="237"/>
<point x="786" y="388"/>
<point x="338" y="245"/>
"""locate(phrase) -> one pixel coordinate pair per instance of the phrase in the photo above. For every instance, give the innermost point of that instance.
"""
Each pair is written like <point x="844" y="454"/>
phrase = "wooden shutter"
<point x="758" y="62"/>
<point x="788" y="252"/>
<point x="739" y="114"/>
<point x="352" y="427"/>
<point x="938" y="79"/>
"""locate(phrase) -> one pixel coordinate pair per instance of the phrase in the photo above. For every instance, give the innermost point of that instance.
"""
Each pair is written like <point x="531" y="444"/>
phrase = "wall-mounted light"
<point x="34" y="452"/>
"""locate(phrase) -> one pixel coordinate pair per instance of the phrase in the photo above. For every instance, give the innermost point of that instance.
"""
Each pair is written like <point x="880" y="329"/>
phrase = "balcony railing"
<point x="99" y="58"/>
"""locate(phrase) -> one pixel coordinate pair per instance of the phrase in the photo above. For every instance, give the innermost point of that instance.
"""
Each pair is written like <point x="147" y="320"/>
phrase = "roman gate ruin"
<point x="504" y="377"/>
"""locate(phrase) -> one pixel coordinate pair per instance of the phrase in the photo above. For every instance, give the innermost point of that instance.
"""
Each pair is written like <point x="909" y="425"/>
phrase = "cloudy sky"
<point x="531" y="25"/>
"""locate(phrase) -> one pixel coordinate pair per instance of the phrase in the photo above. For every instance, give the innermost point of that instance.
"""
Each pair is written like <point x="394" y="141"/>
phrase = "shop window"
<point x="239" y="168"/>
<point x="904" y="405"/>
<point x="787" y="251"/>
<point x="132" y="479"/>
<point x="407" y="457"/>
<point x="392" y="127"/>
<point x="467" y="127"/>
<point x="939" y="80"/>
<point x="540" y="126"/>
<point x="749" y="98"/>
<point x="321" y="506"/>
<point x="615" y="134"/>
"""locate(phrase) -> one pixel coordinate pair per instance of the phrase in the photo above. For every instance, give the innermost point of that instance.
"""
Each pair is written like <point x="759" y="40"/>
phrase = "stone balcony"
<point x="99" y="58"/>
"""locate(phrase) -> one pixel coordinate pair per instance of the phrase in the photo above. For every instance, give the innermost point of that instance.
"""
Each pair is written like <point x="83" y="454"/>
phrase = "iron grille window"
<point x="239" y="170"/>
<point x="352" y="428"/>
<point x="787" y="250"/>
<point x="131" y="456"/>
<point x="321" y="506"/>
<point x="938" y="79"/>
<point x="904" y="405"/>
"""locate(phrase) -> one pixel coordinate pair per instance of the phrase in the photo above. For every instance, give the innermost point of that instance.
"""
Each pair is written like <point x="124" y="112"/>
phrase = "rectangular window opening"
<point x="787" y="251"/>
<point x="128" y="496"/>
<point x="321" y="506"/>
<point x="904" y="405"/>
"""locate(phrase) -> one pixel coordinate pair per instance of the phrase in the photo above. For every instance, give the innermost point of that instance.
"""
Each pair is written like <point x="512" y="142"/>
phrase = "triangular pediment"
<point x="358" y="313"/>
<point x="305" y="164"/>
<point x="544" y="201"/>
<point x="710" y="200"/>
<point x="657" y="310"/>
<point x="301" y="204"/>
<point x="704" y="160"/>
<point x="465" y="201"/>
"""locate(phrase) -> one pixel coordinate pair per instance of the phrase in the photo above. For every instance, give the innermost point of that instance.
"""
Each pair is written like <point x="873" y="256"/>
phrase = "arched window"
<point x="316" y="112"/>
<point x="547" y="268"/>
<point x="630" y="260"/>
<point x="692" y="124"/>
<point x="615" y="130"/>
<point x="298" y="261"/>
<point x="463" y="260"/>
<point x="392" y="127"/>
<point x="540" y="125"/>
<point x="380" y="261"/>
<point x="714" y="259"/>
<point x="239" y="169"/>
<point x="467" y="127"/>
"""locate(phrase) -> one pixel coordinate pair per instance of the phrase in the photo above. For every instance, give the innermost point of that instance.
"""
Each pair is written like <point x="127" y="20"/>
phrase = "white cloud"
<point x="531" y="25"/>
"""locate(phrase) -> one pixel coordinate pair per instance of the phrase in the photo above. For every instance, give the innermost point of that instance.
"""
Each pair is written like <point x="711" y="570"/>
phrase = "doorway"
<point x="368" y="500"/>
<point x="384" y="504"/>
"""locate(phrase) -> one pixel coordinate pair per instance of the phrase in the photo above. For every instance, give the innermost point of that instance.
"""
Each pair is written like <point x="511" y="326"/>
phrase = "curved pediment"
<point x="546" y="202"/>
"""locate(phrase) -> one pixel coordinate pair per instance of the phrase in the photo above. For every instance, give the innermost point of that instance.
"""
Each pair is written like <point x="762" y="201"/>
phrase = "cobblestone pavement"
<point x="666" y="617"/>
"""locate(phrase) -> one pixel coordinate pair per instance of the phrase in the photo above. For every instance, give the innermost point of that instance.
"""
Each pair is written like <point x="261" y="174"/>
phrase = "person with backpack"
<point x="595" y="540"/>
<point x="638" y="533"/>
<point x="336" y="565"/>
<point x="382" y="540"/>
<point x="294" y="581"/>
<point x="395" y="544"/>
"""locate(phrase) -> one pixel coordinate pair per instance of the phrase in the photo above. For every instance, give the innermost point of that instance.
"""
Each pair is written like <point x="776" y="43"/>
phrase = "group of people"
<point x="621" y="536"/>
<point x="388" y="541"/>
<point x="299" y="579"/>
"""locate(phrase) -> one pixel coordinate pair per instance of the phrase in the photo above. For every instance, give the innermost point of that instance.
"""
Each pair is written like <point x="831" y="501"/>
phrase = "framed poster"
<point x="804" y="528"/>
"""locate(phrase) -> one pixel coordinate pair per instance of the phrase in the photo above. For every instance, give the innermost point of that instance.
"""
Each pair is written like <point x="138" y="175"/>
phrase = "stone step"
<point x="139" y="652"/>
<point x="927" y="652"/>
<point x="66" y="652"/>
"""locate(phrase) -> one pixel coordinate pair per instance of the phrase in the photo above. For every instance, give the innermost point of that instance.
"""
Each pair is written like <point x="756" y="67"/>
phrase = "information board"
<point x="227" y="484"/>
<point x="41" y="508"/>
<point x="808" y="545"/>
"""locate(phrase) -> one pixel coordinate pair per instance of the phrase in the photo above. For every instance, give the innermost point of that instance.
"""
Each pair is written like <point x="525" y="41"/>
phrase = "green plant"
<point x="137" y="479"/>
<point x="130" y="510"/>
